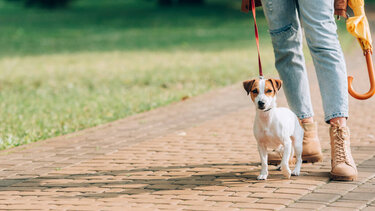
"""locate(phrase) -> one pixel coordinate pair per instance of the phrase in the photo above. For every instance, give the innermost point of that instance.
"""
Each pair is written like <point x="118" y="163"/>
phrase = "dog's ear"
<point x="247" y="85"/>
<point x="276" y="84"/>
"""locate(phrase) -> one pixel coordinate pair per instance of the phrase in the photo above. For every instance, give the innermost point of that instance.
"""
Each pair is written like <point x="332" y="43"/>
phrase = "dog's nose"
<point x="260" y="104"/>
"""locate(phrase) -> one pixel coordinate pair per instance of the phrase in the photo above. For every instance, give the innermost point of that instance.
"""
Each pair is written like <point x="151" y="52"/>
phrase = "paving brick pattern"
<point x="199" y="154"/>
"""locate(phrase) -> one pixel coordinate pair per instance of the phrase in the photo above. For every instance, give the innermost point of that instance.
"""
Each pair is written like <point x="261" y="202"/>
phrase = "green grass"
<point x="98" y="61"/>
<point x="119" y="25"/>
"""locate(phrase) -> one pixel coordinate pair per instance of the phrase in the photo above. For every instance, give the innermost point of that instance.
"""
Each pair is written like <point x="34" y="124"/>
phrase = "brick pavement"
<point x="199" y="154"/>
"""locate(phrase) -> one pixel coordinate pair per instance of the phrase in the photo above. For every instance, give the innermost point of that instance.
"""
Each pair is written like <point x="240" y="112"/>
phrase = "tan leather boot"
<point x="311" y="147"/>
<point x="312" y="151"/>
<point x="342" y="163"/>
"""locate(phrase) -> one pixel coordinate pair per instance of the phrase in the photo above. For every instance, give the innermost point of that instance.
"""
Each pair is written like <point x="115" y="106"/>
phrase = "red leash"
<point x="256" y="36"/>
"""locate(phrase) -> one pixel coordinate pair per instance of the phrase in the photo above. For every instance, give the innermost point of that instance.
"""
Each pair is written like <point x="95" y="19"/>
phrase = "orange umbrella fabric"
<point x="358" y="25"/>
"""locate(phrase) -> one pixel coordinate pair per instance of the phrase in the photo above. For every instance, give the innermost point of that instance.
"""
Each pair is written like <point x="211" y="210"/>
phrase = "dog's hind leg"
<point x="286" y="155"/>
<point x="278" y="167"/>
<point x="263" y="157"/>
<point x="298" y="150"/>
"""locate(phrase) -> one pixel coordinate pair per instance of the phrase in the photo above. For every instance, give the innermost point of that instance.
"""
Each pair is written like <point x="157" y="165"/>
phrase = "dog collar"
<point x="267" y="110"/>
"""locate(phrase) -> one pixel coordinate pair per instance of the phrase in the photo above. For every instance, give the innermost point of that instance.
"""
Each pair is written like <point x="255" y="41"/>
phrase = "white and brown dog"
<point x="274" y="126"/>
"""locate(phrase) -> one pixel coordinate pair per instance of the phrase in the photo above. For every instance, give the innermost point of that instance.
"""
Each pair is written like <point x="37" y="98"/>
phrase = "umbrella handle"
<point x="370" y="69"/>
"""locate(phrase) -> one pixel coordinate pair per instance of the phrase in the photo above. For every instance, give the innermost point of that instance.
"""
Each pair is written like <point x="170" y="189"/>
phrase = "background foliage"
<point x="43" y="3"/>
<point x="97" y="61"/>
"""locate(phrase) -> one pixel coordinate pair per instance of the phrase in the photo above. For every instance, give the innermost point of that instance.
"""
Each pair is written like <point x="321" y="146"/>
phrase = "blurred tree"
<point x="190" y="1"/>
<point x="50" y="4"/>
<point x="165" y="2"/>
<point x="169" y="2"/>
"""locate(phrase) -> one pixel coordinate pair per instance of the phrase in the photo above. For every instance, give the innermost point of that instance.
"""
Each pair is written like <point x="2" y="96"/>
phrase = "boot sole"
<point x="305" y="159"/>
<point x="312" y="158"/>
<point x="342" y="178"/>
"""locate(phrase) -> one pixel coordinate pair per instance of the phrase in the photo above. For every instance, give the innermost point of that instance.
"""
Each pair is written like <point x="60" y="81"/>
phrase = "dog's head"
<point x="263" y="92"/>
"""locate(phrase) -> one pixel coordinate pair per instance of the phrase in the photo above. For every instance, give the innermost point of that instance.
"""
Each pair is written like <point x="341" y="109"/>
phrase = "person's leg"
<point x="321" y="36"/>
<point x="320" y="31"/>
<point x="307" y="120"/>
<point x="286" y="35"/>
<point x="338" y="121"/>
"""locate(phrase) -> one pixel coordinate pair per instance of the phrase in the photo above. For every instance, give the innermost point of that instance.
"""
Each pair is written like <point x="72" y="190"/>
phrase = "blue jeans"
<point x="283" y="17"/>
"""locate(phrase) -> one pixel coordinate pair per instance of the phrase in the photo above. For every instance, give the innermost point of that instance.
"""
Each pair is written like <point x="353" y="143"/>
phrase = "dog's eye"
<point x="255" y="91"/>
<point x="268" y="91"/>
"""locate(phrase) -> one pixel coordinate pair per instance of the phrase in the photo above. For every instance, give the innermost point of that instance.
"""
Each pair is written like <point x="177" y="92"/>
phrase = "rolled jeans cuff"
<point x="304" y="116"/>
<point x="335" y="115"/>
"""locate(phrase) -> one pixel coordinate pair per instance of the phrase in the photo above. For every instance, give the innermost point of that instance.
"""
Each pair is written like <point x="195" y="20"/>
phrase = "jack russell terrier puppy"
<point x="274" y="126"/>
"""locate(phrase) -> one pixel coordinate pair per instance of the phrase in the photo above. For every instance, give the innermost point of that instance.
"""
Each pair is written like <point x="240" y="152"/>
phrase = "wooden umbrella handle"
<point x="370" y="70"/>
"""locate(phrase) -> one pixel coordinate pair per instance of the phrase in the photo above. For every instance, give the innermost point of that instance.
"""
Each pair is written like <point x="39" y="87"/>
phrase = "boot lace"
<point x="340" y="135"/>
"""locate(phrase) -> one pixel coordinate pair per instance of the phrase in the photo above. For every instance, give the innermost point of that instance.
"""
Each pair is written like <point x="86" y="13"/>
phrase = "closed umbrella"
<point x="358" y="26"/>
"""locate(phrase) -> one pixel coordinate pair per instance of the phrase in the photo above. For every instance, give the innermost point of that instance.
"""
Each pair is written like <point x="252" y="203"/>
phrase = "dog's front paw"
<point x="262" y="177"/>
<point x="286" y="172"/>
